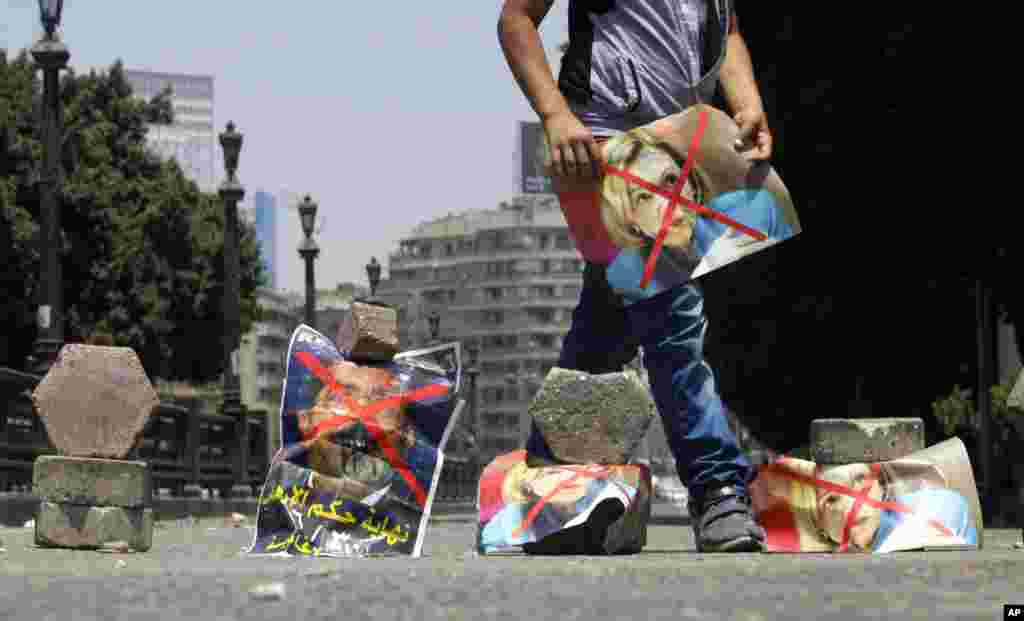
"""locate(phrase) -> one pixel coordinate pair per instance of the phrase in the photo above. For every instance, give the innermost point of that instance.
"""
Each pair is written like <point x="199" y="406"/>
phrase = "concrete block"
<point x="77" y="526"/>
<point x="93" y="482"/>
<point x="595" y="419"/>
<point x="852" y="441"/>
<point x="95" y="401"/>
<point x="369" y="332"/>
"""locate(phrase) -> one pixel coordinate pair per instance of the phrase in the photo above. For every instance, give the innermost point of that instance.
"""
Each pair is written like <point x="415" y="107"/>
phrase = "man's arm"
<point x="573" y="150"/>
<point x="742" y="95"/>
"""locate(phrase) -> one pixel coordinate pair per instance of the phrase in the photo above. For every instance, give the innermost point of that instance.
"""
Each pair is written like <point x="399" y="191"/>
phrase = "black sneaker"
<point x="723" y="522"/>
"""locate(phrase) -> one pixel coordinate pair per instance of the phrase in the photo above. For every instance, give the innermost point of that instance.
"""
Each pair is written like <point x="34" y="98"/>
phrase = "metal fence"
<point x="184" y="447"/>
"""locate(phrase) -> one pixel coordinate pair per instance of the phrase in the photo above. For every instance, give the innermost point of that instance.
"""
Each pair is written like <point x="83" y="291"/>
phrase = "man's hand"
<point x="755" y="139"/>
<point x="574" y="152"/>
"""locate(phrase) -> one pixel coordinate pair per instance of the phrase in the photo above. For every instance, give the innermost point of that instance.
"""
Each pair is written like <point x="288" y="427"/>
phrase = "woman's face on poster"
<point x="834" y="508"/>
<point x="645" y="210"/>
<point x="567" y="490"/>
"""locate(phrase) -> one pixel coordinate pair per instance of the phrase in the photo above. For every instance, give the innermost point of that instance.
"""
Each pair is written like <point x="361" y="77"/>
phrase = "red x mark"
<point x="365" y="414"/>
<point x="861" y="498"/>
<point x="590" y="472"/>
<point x="676" y="197"/>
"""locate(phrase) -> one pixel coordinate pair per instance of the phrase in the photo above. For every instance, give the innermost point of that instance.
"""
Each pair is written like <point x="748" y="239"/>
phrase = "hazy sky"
<point x="387" y="113"/>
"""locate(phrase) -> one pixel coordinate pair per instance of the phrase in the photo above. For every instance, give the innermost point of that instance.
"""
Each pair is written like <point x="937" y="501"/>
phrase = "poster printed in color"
<point x="520" y="505"/>
<point x="927" y="500"/>
<point x="362" y="451"/>
<point x="733" y="207"/>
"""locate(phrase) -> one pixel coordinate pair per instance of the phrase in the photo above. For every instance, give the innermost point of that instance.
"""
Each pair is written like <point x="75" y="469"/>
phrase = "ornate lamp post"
<point x="435" y="327"/>
<point x="373" y="276"/>
<point x="231" y="192"/>
<point x="472" y="354"/>
<point x="308" y="250"/>
<point x="52" y="56"/>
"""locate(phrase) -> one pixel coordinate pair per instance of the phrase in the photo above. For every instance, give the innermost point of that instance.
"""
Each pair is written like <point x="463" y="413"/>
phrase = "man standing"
<point x="631" y="62"/>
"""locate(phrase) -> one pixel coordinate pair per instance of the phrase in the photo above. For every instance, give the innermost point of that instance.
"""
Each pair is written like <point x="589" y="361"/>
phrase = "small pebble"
<point x="1019" y="545"/>
<point x="273" y="591"/>
<point x="236" y="520"/>
<point x="30" y="524"/>
<point x="119" y="564"/>
<point x="116" y="547"/>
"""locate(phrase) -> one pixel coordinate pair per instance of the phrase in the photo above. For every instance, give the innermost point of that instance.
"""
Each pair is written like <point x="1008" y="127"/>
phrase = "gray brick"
<point x="369" y="332"/>
<point x="596" y="419"/>
<point x="76" y="526"/>
<point x="863" y="440"/>
<point x="93" y="482"/>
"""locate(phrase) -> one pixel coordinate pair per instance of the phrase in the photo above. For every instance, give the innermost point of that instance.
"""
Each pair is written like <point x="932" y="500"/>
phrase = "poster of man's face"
<point x="534" y="152"/>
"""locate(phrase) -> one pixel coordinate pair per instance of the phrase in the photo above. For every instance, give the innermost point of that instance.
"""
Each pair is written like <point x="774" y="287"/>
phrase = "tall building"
<point x="265" y="208"/>
<point x="505" y="280"/>
<point x="191" y="139"/>
<point x="262" y="357"/>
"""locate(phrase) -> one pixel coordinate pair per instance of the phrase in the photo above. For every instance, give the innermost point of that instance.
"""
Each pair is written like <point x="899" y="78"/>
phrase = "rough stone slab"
<point x="864" y="440"/>
<point x="76" y="526"/>
<point x="596" y="419"/>
<point x="95" y="401"/>
<point x="93" y="482"/>
<point x="369" y="332"/>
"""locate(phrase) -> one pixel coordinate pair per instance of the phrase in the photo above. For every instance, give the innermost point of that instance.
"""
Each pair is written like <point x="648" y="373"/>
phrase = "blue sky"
<point x="387" y="116"/>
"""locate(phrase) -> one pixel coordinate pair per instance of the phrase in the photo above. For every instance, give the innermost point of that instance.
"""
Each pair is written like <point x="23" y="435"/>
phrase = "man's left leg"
<point x="671" y="327"/>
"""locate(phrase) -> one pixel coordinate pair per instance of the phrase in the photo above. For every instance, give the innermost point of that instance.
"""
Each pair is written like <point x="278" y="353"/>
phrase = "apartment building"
<point x="262" y="357"/>
<point x="191" y="139"/>
<point x="504" y="280"/>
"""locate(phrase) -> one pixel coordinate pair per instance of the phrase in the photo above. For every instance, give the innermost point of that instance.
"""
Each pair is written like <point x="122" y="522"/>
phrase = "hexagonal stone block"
<point x="592" y="419"/>
<point x="92" y="482"/>
<point x="369" y="332"/>
<point x="77" y="526"/>
<point x="864" y="440"/>
<point x="95" y="401"/>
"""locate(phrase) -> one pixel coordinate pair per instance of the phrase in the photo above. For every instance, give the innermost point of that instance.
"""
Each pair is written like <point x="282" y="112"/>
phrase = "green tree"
<point x="142" y="245"/>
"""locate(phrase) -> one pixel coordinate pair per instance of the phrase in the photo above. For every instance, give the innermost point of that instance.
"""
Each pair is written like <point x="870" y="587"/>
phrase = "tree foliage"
<point x="141" y="244"/>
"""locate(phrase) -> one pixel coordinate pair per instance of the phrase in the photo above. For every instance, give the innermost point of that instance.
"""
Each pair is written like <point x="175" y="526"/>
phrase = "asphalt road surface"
<point x="199" y="573"/>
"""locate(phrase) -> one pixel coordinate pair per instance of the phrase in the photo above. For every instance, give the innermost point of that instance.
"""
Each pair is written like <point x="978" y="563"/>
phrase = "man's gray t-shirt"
<point x="631" y="62"/>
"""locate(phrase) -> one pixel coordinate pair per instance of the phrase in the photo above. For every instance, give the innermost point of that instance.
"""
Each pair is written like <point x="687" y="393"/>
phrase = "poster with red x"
<point x="362" y="450"/>
<point x="927" y="500"/>
<point x="524" y="506"/>
<point x="676" y="200"/>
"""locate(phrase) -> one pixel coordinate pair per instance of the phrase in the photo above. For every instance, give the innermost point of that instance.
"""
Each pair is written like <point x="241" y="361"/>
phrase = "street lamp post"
<point x="373" y="276"/>
<point x="435" y="327"/>
<point x="52" y="55"/>
<point x="231" y="192"/>
<point x="309" y="251"/>
<point x="473" y="371"/>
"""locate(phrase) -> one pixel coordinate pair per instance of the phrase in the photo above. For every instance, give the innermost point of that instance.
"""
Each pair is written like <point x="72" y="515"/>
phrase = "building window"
<point x="542" y="241"/>
<point x="563" y="242"/>
<point x="544" y="292"/>
<point x="493" y="317"/>
<point x="495" y="268"/>
<point x="494" y="293"/>
<point x="449" y="249"/>
<point x="571" y="291"/>
<point x="541" y="315"/>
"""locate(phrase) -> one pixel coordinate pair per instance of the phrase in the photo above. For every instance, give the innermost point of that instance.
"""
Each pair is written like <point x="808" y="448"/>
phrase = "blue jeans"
<point x="670" y="326"/>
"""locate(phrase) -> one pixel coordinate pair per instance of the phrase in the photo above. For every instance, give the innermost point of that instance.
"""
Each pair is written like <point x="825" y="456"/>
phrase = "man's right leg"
<point x="597" y="340"/>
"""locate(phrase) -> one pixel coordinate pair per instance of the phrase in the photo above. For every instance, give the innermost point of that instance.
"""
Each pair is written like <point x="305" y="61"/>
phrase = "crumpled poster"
<point x="676" y="201"/>
<point x="362" y="451"/>
<point x="927" y="500"/>
<point x="601" y="509"/>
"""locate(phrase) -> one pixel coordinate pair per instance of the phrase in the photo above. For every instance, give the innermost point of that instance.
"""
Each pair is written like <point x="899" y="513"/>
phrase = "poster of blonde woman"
<point x="926" y="500"/>
<point x="676" y="201"/>
<point x="521" y="506"/>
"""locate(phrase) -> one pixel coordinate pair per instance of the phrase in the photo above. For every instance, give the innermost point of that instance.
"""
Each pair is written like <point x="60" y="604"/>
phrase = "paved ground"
<point x="198" y="573"/>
